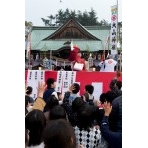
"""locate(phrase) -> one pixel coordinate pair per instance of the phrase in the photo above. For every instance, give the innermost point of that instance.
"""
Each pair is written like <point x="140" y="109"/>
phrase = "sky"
<point x="37" y="9"/>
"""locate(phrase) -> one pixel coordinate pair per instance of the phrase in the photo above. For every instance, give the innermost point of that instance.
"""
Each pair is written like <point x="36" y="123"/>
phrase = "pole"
<point x="108" y="44"/>
<point x="29" y="53"/>
<point x="120" y="60"/>
<point x="50" y="59"/>
<point x="29" y="60"/>
<point x="117" y="20"/>
<point x="117" y="39"/>
<point x="64" y="64"/>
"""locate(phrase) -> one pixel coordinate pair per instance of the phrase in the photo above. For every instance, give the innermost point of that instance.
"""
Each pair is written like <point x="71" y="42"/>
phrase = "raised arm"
<point x="113" y="138"/>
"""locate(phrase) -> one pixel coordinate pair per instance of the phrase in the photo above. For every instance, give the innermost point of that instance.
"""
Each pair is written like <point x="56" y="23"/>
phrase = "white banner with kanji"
<point x="35" y="76"/>
<point x="68" y="79"/>
<point x="113" y="35"/>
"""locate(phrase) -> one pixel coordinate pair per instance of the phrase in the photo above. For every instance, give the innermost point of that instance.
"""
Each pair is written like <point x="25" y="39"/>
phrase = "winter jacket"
<point x="114" y="139"/>
<point x="115" y="117"/>
<point x="47" y="94"/>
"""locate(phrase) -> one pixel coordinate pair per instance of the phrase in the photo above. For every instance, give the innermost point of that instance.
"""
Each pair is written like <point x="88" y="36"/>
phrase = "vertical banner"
<point x="32" y="81"/>
<point x="69" y="78"/>
<point x="41" y="75"/>
<point x="113" y="35"/>
<point x="72" y="77"/>
<point x="66" y="82"/>
<point x="59" y="82"/>
<point x="35" y="76"/>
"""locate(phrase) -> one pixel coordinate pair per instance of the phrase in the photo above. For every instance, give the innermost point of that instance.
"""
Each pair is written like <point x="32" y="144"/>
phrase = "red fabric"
<point x="75" y="57"/>
<point x="50" y="74"/>
<point x="73" y="54"/>
<point x="89" y="77"/>
<point x="86" y="78"/>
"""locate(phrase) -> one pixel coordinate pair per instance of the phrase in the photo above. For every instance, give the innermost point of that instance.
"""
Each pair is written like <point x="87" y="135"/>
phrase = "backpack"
<point x="51" y="100"/>
<point x="88" y="101"/>
<point x="66" y="98"/>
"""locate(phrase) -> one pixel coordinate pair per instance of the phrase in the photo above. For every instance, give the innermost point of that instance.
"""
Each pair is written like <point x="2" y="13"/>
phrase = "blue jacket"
<point x="47" y="94"/>
<point x="114" y="139"/>
<point x="115" y="117"/>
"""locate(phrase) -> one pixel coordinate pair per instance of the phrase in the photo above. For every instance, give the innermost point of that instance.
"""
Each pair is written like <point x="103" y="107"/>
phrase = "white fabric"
<point x="37" y="146"/>
<point x="89" y="139"/>
<point x="55" y="94"/>
<point x="60" y="102"/>
<point x="71" y="46"/>
<point x="101" y="64"/>
<point x="33" y="77"/>
<point x="78" y="66"/>
<point x="109" y="65"/>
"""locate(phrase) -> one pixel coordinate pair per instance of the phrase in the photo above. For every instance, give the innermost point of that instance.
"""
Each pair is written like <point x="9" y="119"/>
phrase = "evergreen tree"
<point x="85" y="18"/>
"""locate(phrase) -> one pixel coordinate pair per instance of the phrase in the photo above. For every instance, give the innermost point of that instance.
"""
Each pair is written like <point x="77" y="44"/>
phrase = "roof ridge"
<point x="83" y="30"/>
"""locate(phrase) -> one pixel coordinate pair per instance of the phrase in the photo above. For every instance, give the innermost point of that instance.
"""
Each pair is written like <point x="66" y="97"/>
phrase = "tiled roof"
<point x="40" y="33"/>
<point x="71" y="24"/>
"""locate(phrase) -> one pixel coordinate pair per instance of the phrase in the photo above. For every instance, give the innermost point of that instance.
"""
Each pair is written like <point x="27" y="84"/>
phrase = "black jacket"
<point x="114" y="139"/>
<point x="115" y="117"/>
<point x="47" y="94"/>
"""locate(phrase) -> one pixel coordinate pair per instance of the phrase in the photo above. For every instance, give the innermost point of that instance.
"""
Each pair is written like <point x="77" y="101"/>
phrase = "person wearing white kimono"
<point x="110" y="64"/>
<point x="101" y="65"/>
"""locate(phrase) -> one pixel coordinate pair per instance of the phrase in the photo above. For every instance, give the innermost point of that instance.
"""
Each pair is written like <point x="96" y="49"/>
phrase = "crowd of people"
<point x="73" y="121"/>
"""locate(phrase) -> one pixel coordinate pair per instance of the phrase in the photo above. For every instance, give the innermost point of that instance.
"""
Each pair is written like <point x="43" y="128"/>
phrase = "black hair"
<point x="112" y="84"/>
<point x="76" y="88"/>
<point x="110" y="96"/>
<point x="85" y="117"/>
<point x="77" y="103"/>
<point x="35" y="122"/>
<point x="49" y="82"/>
<point x="59" y="134"/>
<point x="29" y="90"/>
<point x="58" y="112"/>
<point x="51" y="102"/>
<point x="89" y="88"/>
<point x="103" y="98"/>
<point x="119" y="84"/>
<point x="98" y="115"/>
